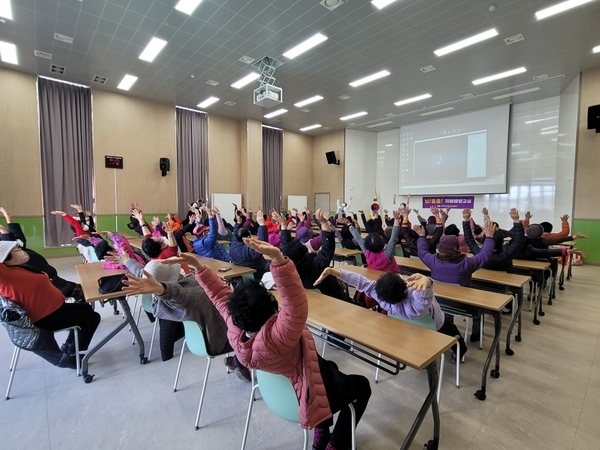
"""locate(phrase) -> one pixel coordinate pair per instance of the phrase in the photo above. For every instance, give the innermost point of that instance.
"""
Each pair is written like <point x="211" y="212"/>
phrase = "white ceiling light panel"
<point x="5" y="9"/>
<point x="352" y="116"/>
<point x="187" y="6"/>
<point x="380" y="124"/>
<point x="275" y="113"/>
<point x="466" y="42"/>
<point x="380" y="4"/>
<point x="247" y="79"/>
<point x="127" y="82"/>
<point x="560" y="7"/>
<point x="412" y="99"/>
<point x="206" y="103"/>
<point x="436" y="111"/>
<point x="512" y="94"/>
<point x="8" y="53"/>
<point x="311" y="127"/>
<point x="508" y="73"/>
<point x="368" y="79"/>
<point x="152" y="49"/>
<point x="313" y="99"/>
<point x="305" y="46"/>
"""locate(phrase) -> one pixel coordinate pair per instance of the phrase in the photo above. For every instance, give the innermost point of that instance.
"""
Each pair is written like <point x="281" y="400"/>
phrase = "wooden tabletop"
<point x="468" y="296"/>
<point x="531" y="265"/>
<point x="88" y="278"/>
<point x="483" y="275"/>
<point x="215" y="265"/>
<point x="406" y="343"/>
<point x="346" y="252"/>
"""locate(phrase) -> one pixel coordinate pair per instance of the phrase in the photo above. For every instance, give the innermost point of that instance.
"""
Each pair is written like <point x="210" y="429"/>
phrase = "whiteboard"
<point x="297" y="201"/>
<point x="224" y="203"/>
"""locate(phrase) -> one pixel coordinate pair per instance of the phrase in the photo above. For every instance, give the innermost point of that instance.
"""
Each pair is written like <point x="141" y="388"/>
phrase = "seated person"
<point x="206" y="243"/>
<point x="176" y="299"/>
<point x="343" y="208"/>
<point x="410" y="299"/>
<point x="156" y="247"/>
<point x="274" y="338"/>
<point x="45" y="305"/>
<point x="410" y="237"/>
<point x="37" y="262"/>
<point x="245" y="256"/>
<point x="380" y="256"/>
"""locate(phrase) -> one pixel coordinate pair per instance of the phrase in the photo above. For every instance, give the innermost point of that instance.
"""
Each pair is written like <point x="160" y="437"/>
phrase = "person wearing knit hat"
<point x="45" y="306"/>
<point x="534" y="231"/>
<point x="449" y="244"/>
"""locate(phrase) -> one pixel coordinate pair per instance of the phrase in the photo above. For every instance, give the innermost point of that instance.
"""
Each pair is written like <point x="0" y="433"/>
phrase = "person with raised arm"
<point x="241" y="254"/>
<point x="379" y="255"/>
<point x="274" y="338"/>
<point x="343" y="208"/>
<point x="206" y="243"/>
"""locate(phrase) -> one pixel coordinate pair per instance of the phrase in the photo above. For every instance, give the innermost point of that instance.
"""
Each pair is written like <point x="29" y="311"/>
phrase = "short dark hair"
<point x="242" y="233"/>
<point x="477" y="230"/>
<point x="151" y="248"/>
<point x="452" y="230"/>
<point x="295" y="250"/>
<point x="374" y="243"/>
<point x="251" y="305"/>
<point x="391" y="288"/>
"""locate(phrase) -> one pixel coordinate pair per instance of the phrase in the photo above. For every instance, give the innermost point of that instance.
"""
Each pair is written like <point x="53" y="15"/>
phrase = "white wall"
<point x="540" y="171"/>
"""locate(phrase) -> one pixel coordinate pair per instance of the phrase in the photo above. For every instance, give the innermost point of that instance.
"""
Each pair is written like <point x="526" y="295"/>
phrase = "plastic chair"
<point x="88" y="253"/>
<point x="194" y="339"/>
<point x="279" y="396"/>
<point x="425" y="321"/>
<point x="146" y="306"/>
<point x="17" y="351"/>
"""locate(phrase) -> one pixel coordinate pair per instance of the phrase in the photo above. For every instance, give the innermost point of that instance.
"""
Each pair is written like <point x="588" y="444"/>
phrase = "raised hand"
<point x="184" y="258"/>
<point x="260" y="217"/>
<point x="514" y="215"/>
<point x="265" y="248"/>
<point x="466" y="213"/>
<point x="276" y="217"/>
<point x="580" y="236"/>
<point x="328" y="271"/>
<point x="565" y="218"/>
<point x="397" y="218"/>
<point x="488" y="228"/>
<point x="58" y="213"/>
<point x="147" y="285"/>
<point x="76" y="207"/>
<point x="485" y="212"/>
<point x="528" y="216"/>
<point x="416" y="211"/>
<point x="418" y="282"/>
<point x="419" y="230"/>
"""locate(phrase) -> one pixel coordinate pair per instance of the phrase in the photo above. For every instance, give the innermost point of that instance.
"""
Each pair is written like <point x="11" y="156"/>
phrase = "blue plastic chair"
<point x="279" y="396"/>
<point x="194" y="339"/>
<point x="146" y="306"/>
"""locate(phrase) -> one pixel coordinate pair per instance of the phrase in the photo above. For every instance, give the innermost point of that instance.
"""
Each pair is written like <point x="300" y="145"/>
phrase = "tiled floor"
<point x="547" y="397"/>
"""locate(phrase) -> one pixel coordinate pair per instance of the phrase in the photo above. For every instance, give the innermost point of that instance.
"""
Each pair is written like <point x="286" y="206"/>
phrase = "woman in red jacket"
<point x="277" y="341"/>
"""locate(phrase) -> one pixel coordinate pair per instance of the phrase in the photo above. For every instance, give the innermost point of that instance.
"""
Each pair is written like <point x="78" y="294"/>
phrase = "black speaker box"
<point x="593" y="118"/>
<point x="165" y="165"/>
<point x="331" y="158"/>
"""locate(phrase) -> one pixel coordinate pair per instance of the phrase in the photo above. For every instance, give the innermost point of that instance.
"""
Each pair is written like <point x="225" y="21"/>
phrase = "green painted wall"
<point x="591" y="246"/>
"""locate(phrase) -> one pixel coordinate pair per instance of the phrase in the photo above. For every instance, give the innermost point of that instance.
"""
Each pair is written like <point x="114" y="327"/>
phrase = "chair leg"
<point x="481" y="322"/>
<point x="137" y="324"/>
<point x="439" y="390"/>
<point x="377" y="370"/>
<point x="306" y="439"/>
<point x="352" y="426"/>
<point x="179" y="367"/>
<point x="152" y="340"/>
<point x="133" y="309"/>
<point x="467" y="320"/>
<point x="13" y="369"/>
<point x="458" y="360"/>
<point x="250" y="404"/>
<point x="202" y="394"/>
<point x="77" y="360"/>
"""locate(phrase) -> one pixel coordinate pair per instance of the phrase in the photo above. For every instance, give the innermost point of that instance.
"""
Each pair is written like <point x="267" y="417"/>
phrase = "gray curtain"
<point x="192" y="158"/>
<point x="67" y="154"/>
<point x="272" y="147"/>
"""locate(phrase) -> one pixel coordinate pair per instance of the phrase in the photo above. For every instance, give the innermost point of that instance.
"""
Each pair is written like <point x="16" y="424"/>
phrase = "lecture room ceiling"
<point x="211" y="44"/>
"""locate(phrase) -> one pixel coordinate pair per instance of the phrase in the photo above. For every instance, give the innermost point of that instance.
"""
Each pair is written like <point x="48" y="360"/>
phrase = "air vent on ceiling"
<point x="98" y="79"/>
<point x="63" y="38"/>
<point x="305" y="110"/>
<point x="331" y="4"/>
<point x="247" y="59"/>
<point x="513" y="39"/>
<point x="344" y="97"/>
<point x="41" y="54"/>
<point x="54" y="68"/>
<point x="212" y="82"/>
<point x="468" y="95"/>
<point x="540" y="77"/>
<point x="428" y="68"/>
<point x="390" y="115"/>
<point x="229" y="103"/>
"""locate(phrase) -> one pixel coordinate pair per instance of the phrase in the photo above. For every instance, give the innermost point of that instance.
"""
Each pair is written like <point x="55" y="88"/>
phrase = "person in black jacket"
<point x="37" y="262"/>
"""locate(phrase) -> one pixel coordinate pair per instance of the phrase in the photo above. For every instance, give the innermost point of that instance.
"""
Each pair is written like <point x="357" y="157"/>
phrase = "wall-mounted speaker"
<point x="332" y="159"/>
<point x="593" y="118"/>
<point x="164" y="165"/>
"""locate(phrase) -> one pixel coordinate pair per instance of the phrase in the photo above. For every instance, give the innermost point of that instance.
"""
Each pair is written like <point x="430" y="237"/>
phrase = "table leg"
<point x="430" y="400"/>
<point x="494" y="373"/>
<point x="570" y="266"/>
<point x="538" y="301"/>
<point x="128" y="320"/>
<point x="552" y="290"/>
<point x="516" y="316"/>
<point x="561" y="279"/>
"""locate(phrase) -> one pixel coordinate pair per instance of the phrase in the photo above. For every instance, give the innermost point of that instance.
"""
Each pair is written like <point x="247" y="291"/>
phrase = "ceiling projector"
<point x="267" y="96"/>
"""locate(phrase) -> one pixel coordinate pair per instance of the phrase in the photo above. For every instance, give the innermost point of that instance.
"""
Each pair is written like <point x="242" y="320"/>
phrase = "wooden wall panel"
<point x="329" y="178"/>
<point x="298" y="163"/>
<point x="224" y="155"/>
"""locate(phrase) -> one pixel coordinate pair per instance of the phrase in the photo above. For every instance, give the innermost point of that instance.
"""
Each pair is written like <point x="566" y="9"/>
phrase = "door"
<point x="322" y="201"/>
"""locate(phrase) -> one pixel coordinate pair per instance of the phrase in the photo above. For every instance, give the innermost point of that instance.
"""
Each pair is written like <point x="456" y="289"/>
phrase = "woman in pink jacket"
<point x="277" y="341"/>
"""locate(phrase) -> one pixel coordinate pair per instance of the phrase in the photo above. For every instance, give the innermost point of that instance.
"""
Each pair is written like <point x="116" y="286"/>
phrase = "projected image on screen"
<point x="463" y="154"/>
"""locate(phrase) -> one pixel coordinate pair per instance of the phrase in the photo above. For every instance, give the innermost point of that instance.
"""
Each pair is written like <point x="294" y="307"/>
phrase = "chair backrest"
<point x="147" y="302"/>
<point x="88" y="253"/>
<point x="194" y="338"/>
<point x="279" y="395"/>
<point x="425" y="321"/>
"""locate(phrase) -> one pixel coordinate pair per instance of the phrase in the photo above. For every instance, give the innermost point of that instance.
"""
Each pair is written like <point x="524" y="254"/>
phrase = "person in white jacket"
<point x="343" y="208"/>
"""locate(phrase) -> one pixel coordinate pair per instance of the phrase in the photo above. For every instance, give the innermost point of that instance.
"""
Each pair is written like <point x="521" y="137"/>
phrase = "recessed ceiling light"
<point x="344" y="97"/>
<point x="209" y="101"/>
<point x="512" y="94"/>
<point x="466" y="42"/>
<point x="380" y="4"/>
<point x="331" y="4"/>
<point x="8" y="53"/>
<point x="230" y="103"/>
<point x="467" y="95"/>
<point x="428" y="68"/>
<point x="311" y="127"/>
<point x="247" y="79"/>
<point x="316" y="98"/>
<point x="306" y="45"/>
<point x="276" y="113"/>
<point x="596" y="49"/>
<point x="63" y="38"/>
<point x="305" y="110"/>
<point x="246" y="59"/>
<point x="498" y="76"/>
<point x="437" y="111"/>
<point x="352" y="116"/>
<point x="5" y="9"/>
<point x="187" y="6"/>
<point x="412" y="99"/>
<point x="514" y="39"/>
<point x="540" y="77"/>
<point x="212" y="82"/>
<point x="556" y="9"/>
<point x="380" y="124"/>
<point x="375" y="76"/>
<point x="127" y="82"/>
<point x="152" y="49"/>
